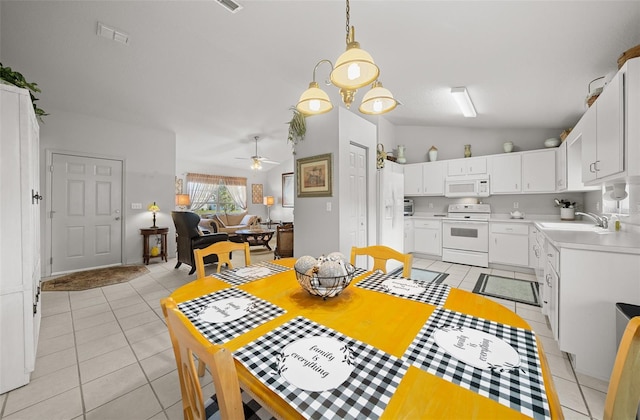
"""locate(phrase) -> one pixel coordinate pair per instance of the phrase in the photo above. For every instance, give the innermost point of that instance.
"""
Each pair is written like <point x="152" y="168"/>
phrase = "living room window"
<point x="216" y="193"/>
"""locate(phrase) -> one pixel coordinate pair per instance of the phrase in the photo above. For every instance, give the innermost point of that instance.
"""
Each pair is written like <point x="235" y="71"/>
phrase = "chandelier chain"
<point x="348" y="15"/>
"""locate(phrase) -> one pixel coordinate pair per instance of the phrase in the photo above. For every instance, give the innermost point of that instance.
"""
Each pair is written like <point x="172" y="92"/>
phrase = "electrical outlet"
<point x="430" y="205"/>
<point x="516" y="204"/>
<point x="136" y="206"/>
<point x="328" y="205"/>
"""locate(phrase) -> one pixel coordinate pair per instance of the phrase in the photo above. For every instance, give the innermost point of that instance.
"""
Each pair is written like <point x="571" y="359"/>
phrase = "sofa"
<point x="230" y="223"/>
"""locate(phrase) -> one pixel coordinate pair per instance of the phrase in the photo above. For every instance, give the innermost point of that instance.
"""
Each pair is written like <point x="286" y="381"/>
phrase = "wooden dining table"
<point x="388" y="323"/>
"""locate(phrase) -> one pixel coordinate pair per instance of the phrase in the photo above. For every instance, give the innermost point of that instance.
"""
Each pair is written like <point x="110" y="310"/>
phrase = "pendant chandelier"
<point x="354" y="69"/>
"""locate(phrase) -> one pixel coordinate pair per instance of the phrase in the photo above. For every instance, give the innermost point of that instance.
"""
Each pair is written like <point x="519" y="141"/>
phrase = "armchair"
<point x="190" y="238"/>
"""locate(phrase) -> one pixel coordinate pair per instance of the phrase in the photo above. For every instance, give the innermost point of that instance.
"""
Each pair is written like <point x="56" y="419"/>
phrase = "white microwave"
<point x="467" y="187"/>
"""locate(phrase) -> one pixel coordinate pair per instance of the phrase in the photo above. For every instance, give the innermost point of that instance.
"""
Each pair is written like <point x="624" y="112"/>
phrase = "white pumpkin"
<point x="304" y="263"/>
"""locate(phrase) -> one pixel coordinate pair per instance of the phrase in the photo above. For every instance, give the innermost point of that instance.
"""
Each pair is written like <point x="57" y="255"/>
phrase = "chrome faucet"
<point x="601" y="221"/>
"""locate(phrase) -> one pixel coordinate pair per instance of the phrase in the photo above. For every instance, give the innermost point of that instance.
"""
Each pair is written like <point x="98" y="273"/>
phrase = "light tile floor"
<point x="105" y="353"/>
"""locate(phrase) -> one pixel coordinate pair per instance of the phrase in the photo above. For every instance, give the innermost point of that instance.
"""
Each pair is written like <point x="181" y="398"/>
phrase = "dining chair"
<point x="223" y="251"/>
<point x="623" y="395"/>
<point x="188" y="342"/>
<point x="284" y="241"/>
<point x="381" y="254"/>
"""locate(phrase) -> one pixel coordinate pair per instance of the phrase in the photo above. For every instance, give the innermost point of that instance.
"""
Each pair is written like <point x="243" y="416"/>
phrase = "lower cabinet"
<point x="408" y="236"/>
<point x="509" y="243"/>
<point x="427" y="236"/>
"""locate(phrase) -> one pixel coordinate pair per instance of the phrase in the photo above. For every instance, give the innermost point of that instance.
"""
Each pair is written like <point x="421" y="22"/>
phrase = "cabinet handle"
<point x="528" y="186"/>
<point x="495" y="240"/>
<point x="595" y="165"/>
<point x="592" y="167"/>
<point x="547" y="277"/>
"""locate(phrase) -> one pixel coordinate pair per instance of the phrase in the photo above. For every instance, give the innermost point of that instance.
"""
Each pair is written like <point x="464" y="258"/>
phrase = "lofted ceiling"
<point x="218" y="79"/>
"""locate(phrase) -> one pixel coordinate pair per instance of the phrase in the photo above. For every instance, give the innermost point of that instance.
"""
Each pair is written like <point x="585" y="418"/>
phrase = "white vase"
<point x="401" y="158"/>
<point x="508" y="147"/>
<point x="433" y="155"/>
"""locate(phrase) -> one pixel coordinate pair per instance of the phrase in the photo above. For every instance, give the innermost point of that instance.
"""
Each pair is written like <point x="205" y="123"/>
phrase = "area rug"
<point x="83" y="280"/>
<point x="521" y="291"/>
<point x="422" y="274"/>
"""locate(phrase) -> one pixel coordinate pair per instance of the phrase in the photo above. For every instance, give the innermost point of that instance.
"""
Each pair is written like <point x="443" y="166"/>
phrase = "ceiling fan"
<point x="258" y="160"/>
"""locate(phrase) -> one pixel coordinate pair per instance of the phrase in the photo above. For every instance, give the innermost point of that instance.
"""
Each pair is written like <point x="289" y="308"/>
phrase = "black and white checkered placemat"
<point x="220" y="333"/>
<point x="365" y="394"/>
<point x="521" y="389"/>
<point x="435" y="294"/>
<point x="231" y="276"/>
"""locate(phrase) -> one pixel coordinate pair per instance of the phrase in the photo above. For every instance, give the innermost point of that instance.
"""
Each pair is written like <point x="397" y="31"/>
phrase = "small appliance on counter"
<point x="409" y="208"/>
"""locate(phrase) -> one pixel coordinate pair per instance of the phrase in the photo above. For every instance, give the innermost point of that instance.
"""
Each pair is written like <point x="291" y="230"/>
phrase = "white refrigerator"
<point x="390" y="182"/>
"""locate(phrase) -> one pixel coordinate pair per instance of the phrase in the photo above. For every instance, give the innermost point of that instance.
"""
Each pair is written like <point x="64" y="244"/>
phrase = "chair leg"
<point x="177" y="265"/>
<point x="193" y="270"/>
<point x="201" y="368"/>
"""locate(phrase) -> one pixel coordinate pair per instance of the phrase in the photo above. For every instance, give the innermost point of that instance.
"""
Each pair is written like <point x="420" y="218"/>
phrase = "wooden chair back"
<point x="284" y="241"/>
<point x="381" y="254"/>
<point x="623" y="395"/>
<point x="223" y="251"/>
<point x="187" y="342"/>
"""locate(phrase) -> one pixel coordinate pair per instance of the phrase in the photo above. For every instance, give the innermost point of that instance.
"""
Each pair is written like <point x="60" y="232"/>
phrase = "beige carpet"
<point x="83" y="280"/>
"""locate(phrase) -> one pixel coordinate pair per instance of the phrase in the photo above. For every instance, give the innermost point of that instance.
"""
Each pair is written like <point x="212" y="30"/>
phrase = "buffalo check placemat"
<point x="434" y="294"/>
<point x="259" y="312"/>
<point x="243" y="275"/>
<point x="364" y="393"/>
<point x="520" y="388"/>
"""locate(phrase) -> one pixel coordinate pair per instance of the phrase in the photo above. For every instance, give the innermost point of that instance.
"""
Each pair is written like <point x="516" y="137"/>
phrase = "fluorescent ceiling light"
<point x="463" y="100"/>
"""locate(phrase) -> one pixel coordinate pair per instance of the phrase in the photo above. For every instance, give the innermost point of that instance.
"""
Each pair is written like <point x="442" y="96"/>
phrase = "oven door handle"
<point x="465" y="221"/>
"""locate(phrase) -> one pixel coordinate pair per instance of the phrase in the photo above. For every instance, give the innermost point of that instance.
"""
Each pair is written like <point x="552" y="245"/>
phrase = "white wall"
<point x="273" y="186"/>
<point x="149" y="174"/>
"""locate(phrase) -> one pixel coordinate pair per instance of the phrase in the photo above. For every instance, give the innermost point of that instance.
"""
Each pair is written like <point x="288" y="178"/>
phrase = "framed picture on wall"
<point x="287" y="189"/>
<point x="256" y="193"/>
<point x="314" y="176"/>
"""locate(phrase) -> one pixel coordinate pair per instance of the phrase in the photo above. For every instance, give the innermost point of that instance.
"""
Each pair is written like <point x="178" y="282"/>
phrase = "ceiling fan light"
<point x="314" y="101"/>
<point x="355" y="67"/>
<point x="256" y="165"/>
<point x="378" y="100"/>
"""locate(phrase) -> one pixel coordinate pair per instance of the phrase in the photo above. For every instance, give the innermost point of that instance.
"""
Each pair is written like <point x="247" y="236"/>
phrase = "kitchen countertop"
<point x="625" y="241"/>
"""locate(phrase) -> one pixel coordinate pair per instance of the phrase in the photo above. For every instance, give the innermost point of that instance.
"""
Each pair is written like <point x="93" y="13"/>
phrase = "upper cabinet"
<point x="467" y="166"/>
<point x="424" y="178"/>
<point x="506" y="173"/>
<point x="520" y="172"/>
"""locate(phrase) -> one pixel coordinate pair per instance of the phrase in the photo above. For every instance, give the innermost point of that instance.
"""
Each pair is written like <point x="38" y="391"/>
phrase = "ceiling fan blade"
<point x="244" y="158"/>
<point x="265" y="160"/>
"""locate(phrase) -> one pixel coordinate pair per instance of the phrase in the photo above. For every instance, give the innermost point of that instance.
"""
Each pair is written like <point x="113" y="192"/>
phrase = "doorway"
<point x="85" y="212"/>
<point x="357" y="204"/>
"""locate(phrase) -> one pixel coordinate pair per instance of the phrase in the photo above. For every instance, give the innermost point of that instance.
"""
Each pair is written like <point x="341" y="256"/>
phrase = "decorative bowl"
<point x="552" y="142"/>
<point x="325" y="286"/>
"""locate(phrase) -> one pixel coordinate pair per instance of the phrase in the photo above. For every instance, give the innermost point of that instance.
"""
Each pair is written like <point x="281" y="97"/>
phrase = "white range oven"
<point x="465" y="234"/>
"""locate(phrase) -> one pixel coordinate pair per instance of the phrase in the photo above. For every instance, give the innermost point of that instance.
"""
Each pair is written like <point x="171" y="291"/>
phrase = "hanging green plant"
<point x="16" y="79"/>
<point x="297" y="128"/>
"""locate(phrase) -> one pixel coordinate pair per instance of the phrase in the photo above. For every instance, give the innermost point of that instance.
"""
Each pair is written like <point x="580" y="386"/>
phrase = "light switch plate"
<point x="136" y="206"/>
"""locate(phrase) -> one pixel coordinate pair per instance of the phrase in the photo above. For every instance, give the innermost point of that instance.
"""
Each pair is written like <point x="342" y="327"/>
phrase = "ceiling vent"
<point x="112" y="34"/>
<point x="230" y="5"/>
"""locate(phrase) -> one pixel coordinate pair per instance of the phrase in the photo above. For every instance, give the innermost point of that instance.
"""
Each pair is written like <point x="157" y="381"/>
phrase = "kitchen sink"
<point x="579" y="227"/>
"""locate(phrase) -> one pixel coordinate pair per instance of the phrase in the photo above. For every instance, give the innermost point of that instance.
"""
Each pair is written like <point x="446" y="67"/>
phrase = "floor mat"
<point x="83" y="280"/>
<point x="522" y="291"/>
<point x="422" y="274"/>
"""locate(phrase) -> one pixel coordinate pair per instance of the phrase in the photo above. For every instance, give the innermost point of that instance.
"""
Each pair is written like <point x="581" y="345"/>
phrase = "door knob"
<point x="118" y="218"/>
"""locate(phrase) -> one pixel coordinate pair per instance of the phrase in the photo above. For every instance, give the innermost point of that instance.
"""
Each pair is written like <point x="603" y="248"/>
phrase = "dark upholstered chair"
<point x="284" y="241"/>
<point x="190" y="238"/>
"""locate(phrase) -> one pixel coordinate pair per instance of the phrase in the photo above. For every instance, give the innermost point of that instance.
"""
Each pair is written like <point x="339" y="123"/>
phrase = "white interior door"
<point x="86" y="219"/>
<point x="358" y="194"/>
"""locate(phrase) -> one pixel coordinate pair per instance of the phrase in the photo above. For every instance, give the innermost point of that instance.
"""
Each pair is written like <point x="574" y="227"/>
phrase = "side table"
<point x="146" y="233"/>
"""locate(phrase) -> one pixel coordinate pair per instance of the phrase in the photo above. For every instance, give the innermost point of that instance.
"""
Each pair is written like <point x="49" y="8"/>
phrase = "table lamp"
<point x="153" y="208"/>
<point x="182" y="201"/>
<point x="269" y="201"/>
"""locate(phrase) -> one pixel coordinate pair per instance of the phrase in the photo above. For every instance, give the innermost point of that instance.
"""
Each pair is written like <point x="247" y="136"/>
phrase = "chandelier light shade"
<point x="463" y="100"/>
<point x="354" y="69"/>
<point x="256" y="165"/>
<point x="378" y="100"/>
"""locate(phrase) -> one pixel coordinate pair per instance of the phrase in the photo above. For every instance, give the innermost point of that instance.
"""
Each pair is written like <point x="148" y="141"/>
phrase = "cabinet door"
<point x="456" y="167"/>
<point x="408" y="236"/>
<point x="588" y="139"/>
<point x="539" y="171"/>
<point x="505" y="174"/>
<point x="433" y="175"/>
<point x="428" y="241"/>
<point x="413" y="179"/>
<point x="476" y="166"/>
<point x="609" y="128"/>
<point x="561" y="167"/>
<point x="509" y="249"/>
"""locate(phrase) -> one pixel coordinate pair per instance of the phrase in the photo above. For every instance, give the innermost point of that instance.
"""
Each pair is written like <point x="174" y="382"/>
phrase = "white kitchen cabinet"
<point x="19" y="238"/>
<point x="427" y="236"/>
<point x="550" y="287"/>
<point x="433" y="175"/>
<point x="603" y="133"/>
<point x="467" y="166"/>
<point x="539" y="171"/>
<point x="506" y="173"/>
<point x="413" y="179"/>
<point x="408" y="236"/>
<point x="509" y="243"/>
<point x="573" y="162"/>
<point x="561" y="167"/>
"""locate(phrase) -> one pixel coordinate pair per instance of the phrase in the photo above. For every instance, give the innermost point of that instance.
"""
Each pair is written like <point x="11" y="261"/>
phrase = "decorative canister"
<point x="467" y="150"/>
<point x="567" y="213"/>
<point x="381" y="156"/>
<point x="508" y="147"/>
<point x="433" y="154"/>
<point x="401" y="158"/>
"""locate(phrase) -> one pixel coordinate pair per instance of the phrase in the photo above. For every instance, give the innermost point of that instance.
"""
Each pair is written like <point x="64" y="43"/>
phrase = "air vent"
<point x="113" y="34"/>
<point x="230" y="5"/>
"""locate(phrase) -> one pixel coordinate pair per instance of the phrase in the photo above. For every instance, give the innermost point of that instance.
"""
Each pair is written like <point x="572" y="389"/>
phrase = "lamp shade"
<point x="269" y="200"/>
<point x="183" y="200"/>
<point x="378" y="100"/>
<point x="355" y="67"/>
<point x="153" y="208"/>
<point x="314" y="101"/>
